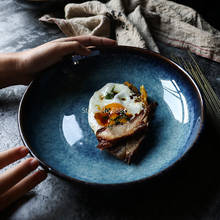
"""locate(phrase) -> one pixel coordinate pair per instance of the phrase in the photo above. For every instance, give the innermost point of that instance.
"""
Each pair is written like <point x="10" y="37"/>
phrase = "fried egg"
<point x="115" y="104"/>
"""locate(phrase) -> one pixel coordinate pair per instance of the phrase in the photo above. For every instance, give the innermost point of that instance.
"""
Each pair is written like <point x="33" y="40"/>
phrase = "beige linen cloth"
<point x="141" y="23"/>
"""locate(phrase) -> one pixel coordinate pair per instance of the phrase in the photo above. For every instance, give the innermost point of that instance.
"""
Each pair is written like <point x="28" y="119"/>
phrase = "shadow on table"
<point x="188" y="191"/>
<point x="185" y="192"/>
<point x="11" y="209"/>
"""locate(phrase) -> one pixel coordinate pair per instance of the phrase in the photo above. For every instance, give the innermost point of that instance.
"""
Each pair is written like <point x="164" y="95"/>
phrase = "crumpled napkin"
<point x="141" y="23"/>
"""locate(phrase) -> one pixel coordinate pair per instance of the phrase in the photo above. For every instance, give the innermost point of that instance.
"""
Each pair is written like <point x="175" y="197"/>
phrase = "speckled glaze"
<point x="54" y="125"/>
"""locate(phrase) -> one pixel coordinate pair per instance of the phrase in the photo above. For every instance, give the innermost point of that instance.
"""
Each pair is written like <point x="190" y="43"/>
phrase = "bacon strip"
<point x="108" y="136"/>
<point x="126" y="149"/>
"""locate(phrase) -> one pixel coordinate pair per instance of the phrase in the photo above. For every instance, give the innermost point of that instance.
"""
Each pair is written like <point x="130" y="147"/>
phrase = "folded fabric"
<point x="141" y="23"/>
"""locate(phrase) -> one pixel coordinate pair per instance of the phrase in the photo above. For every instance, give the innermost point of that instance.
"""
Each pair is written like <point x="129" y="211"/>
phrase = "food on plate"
<point x="119" y="115"/>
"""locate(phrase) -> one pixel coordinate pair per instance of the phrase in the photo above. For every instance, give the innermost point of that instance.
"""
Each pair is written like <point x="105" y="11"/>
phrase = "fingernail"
<point x="113" y="41"/>
<point x="88" y="51"/>
<point x="41" y="175"/>
<point x="24" y="151"/>
<point x="34" y="163"/>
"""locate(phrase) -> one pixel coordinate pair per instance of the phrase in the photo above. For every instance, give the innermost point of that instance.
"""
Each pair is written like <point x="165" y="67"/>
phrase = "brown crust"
<point x="108" y="136"/>
<point x="125" y="150"/>
<point x="132" y="88"/>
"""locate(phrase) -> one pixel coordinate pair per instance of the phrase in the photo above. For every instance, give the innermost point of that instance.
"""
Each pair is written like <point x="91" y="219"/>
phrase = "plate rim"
<point x="142" y="51"/>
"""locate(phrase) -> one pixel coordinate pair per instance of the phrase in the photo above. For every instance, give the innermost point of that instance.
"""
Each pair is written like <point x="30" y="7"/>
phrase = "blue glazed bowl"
<point x="53" y="119"/>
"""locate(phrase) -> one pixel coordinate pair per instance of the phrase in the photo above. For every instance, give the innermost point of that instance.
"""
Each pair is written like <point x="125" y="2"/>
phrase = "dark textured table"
<point x="190" y="190"/>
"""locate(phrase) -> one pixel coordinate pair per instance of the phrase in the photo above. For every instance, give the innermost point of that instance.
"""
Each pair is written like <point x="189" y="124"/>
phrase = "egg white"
<point x="123" y="96"/>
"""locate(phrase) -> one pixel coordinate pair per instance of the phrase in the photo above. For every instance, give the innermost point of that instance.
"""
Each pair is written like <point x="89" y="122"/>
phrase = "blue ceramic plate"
<point x="54" y="125"/>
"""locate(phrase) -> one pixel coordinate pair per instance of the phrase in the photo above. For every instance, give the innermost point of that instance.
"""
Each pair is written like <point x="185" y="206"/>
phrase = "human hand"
<point x="22" y="67"/>
<point x="15" y="181"/>
<point x="34" y="60"/>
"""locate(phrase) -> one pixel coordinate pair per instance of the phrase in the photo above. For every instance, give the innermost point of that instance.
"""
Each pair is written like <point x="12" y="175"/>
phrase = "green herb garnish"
<point x="110" y="95"/>
<point x="105" y="117"/>
<point x="107" y="110"/>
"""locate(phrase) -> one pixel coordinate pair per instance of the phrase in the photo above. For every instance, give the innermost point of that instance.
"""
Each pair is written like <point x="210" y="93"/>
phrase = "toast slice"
<point x="127" y="149"/>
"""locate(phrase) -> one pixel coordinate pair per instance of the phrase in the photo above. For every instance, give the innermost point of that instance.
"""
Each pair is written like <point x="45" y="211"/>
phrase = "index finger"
<point x="9" y="156"/>
<point x="88" y="40"/>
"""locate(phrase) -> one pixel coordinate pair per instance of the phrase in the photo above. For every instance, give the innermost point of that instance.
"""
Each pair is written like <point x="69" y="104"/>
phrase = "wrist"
<point x="10" y="70"/>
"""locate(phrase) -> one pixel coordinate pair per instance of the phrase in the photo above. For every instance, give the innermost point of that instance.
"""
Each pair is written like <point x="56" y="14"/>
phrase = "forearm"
<point x="9" y="74"/>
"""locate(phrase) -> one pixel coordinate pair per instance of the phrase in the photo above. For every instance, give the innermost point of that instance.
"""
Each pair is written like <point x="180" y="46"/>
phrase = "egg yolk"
<point x="112" y="114"/>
